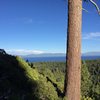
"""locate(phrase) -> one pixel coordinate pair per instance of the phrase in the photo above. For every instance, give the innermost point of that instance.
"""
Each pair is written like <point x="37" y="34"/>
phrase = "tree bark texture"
<point x="73" y="74"/>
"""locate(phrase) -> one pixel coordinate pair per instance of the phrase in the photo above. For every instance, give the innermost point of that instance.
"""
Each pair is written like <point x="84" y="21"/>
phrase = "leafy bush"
<point x="45" y="91"/>
<point x="86" y="98"/>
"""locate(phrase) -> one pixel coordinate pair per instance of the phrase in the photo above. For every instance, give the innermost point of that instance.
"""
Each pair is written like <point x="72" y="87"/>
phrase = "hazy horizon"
<point x="29" y="52"/>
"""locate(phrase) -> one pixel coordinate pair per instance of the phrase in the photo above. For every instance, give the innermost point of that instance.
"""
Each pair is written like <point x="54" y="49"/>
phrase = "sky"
<point x="40" y="26"/>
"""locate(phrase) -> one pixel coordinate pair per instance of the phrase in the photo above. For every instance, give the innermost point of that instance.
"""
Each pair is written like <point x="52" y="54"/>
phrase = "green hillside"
<point x="18" y="81"/>
<point x="21" y="80"/>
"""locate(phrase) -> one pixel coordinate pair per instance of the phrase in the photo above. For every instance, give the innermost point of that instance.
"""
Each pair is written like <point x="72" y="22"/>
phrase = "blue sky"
<point x="36" y="26"/>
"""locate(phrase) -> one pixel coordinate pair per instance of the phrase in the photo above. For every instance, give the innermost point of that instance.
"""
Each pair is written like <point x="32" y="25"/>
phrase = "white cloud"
<point x="23" y="52"/>
<point x="92" y="35"/>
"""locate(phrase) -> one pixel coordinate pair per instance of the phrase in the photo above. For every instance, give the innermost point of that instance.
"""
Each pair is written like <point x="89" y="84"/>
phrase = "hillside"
<point x="21" y="80"/>
<point x="18" y="81"/>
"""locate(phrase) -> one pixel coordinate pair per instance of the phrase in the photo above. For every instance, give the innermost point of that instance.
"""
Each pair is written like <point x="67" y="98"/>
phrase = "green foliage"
<point x="88" y="78"/>
<point x="20" y="80"/>
<point x="54" y="70"/>
<point x="85" y="80"/>
<point x="45" y="91"/>
<point x="86" y="98"/>
<point x="94" y="70"/>
<point x="32" y="74"/>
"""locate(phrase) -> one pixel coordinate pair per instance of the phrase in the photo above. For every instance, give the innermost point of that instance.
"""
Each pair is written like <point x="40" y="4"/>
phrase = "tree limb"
<point x="94" y="3"/>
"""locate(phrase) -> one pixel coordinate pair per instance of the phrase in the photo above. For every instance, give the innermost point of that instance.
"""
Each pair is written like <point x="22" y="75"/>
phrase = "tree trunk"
<point x="73" y="74"/>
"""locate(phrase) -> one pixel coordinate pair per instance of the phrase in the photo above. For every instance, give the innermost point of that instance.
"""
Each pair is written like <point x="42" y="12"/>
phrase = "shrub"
<point x="45" y="91"/>
<point x="86" y="98"/>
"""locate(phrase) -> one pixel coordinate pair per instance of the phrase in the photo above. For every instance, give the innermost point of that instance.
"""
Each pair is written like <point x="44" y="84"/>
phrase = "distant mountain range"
<point x="91" y="54"/>
<point x="60" y="54"/>
<point x="46" y="55"/>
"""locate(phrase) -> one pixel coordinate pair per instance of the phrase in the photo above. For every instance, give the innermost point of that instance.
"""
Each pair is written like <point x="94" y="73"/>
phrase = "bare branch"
<point x="94" y="3"/>
<point x="84" y="10"/>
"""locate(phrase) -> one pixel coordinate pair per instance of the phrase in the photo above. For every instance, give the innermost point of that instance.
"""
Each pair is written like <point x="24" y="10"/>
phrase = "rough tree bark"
<point x="73" y="74"/>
